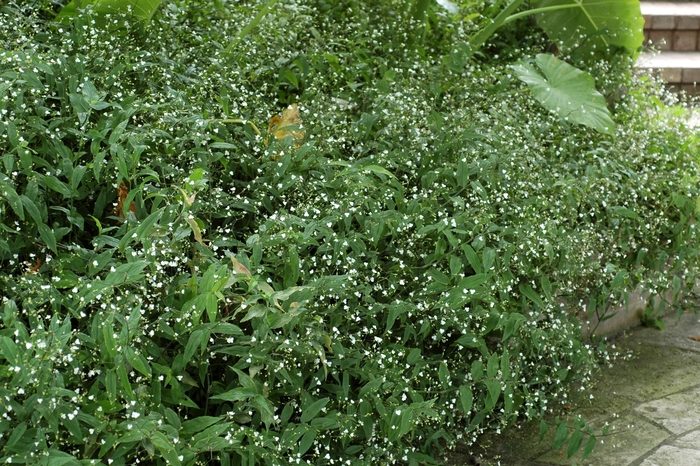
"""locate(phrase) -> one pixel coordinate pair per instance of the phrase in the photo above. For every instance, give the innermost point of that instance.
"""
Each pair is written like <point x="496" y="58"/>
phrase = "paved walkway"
<point x="651" y="402"/>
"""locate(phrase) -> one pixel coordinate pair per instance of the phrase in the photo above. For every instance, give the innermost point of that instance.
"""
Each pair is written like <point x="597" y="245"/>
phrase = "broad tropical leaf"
<point x="567" y="91"/>
<point x="591" y="26"/>
<point x="142" y="10"/>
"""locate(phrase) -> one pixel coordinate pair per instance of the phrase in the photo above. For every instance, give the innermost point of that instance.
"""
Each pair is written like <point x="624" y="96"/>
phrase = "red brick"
<point x="688" y="22"/>
<point x="672" y="75"/>
<point x="691" y="75"/>
<point x="657" y="37"/>
<point x="685" y="41"/>
<point x="690" y="89"/>
<point x="663" y="22"/>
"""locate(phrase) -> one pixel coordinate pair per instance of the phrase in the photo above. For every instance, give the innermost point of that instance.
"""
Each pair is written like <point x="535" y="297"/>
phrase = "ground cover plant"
<point x="312" y="232"/>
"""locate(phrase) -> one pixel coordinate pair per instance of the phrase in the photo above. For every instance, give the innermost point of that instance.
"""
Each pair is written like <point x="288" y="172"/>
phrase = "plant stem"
<point x="483" y="35"/>
<point x="545" y="9"/>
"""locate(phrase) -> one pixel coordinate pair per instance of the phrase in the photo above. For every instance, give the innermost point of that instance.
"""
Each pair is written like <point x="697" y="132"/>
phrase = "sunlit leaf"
<point x="593" y="25"/>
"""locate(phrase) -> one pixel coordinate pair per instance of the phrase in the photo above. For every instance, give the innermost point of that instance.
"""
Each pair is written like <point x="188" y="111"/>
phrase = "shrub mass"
<point x="396" y="262"/>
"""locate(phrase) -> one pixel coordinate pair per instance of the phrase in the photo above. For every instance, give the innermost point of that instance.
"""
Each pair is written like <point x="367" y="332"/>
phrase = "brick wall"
<point x="681" y="33"/>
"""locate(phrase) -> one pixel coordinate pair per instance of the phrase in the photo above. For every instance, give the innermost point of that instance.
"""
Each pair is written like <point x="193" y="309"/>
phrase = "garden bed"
<point x="315" y="232"/>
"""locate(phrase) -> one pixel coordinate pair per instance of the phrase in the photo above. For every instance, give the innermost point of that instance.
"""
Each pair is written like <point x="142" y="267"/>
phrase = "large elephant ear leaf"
<point x="566" y="91"/>
<point x="590" y="27"/>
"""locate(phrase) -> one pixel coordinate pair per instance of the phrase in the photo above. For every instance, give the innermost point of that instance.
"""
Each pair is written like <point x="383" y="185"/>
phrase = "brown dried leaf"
<point x="122" y="193"/>
<point x="290" y="117"/>
<point x="239" y="268"/>
<point x="695" y="338"/>
<point x="34" y="268"/>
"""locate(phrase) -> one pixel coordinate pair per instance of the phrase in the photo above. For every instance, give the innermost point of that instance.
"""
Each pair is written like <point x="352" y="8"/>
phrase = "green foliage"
<point x="567" y="91"/>
<point x="142" y="10"/>
<point x="180" y="287"/>
<point x="589" y="28"/>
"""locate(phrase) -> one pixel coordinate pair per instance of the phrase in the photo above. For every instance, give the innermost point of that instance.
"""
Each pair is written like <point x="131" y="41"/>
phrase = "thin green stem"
<point x="535" y="11"/>
<point x="483" y="35"/>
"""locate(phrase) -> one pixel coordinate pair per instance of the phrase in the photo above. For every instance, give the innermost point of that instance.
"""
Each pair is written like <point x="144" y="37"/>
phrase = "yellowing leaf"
<point x="288" y="125"/>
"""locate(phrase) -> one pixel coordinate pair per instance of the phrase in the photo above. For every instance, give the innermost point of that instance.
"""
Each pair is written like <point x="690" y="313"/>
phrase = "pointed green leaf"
<point x="311" y="411"/>
<point x="48" y="237"/>
<point x="561" y="435"/>
<point x="14" y="200"/>
<point x="574" y="443"/>
<point x="588" y="449"/>
<point x="466" y="398"/>
<point x="9" y="350"/>
<point x="544" y="427"/>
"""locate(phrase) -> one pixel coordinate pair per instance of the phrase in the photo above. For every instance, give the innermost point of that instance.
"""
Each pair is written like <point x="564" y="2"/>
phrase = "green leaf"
<point x="544" y="427"/>
<point x="477" y="370"/>
<point x="471" y="283"/>
<point x="624" y="212"/>
<point x="526" y="290"/>
<point x="110" y="341"/>
<point x="561" y="435"/>
<point x="198" y="424"/>
<point x="124" y="379"/>
<point x="48" y="237"/>
<point x="466" y="398"/>
<point x="512" y="324"/>
<point x="237" y="394"/>
<point x="488" y="256"/>
<point x="146" y="226"/>
<point x="32" y="209"/>
<point x="307" y="440"/>
<point x="566" y="91"/>
<point x="443" y="374"/>
<point x="57" y="185"/>
<point x="166" y="448"/>
<point x="574" y="443"/>
<point x="194" y="342"/>
<point x="588" y="449"/>
<point x="494" y="391"/>
<point x="137" y="361"/>
<point x="376" y="169"/>
<point x="311" y="411"/>
<point x="59" y="458"/>
<point x="9" y="350"/>
<point x="592" y="25"/>
<point x="13" y="199"/>
<point x="17" y="434"/>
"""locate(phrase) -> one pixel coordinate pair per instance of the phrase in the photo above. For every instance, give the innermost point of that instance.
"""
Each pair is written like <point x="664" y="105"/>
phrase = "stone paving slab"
<point x="673" y="456"/>
<point x="679" y="413"/>
<point x="679" y="333"/>
<point x="691" y="441"/>
<point x="655" y="372"/>
<point x="629" y="437"/>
